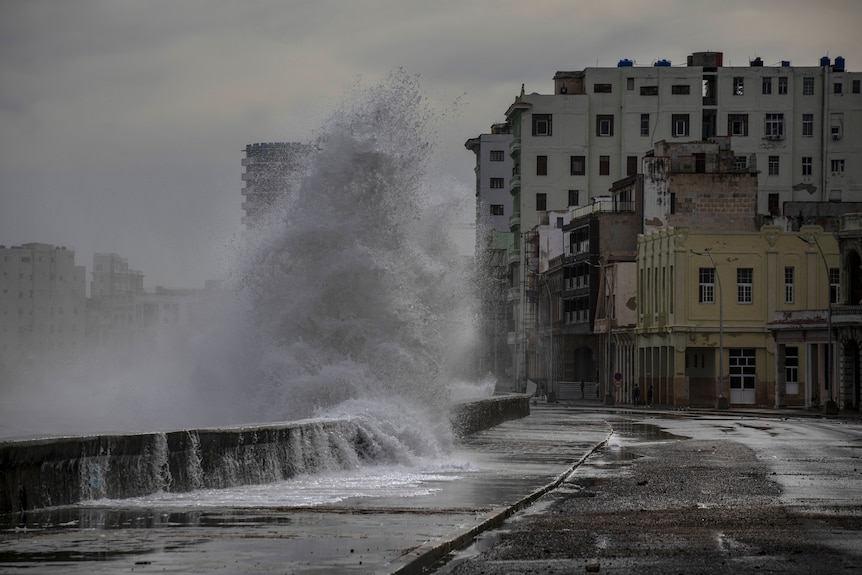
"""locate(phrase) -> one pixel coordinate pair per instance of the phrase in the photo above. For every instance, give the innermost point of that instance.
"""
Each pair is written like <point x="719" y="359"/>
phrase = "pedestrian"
<point x="636" y="394"/>
<point x="649" y="396"/>
<point x="582" y="389"/>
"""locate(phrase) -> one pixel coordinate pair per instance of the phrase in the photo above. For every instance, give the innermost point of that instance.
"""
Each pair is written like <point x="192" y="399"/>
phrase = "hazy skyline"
<point x="123" y="123"/>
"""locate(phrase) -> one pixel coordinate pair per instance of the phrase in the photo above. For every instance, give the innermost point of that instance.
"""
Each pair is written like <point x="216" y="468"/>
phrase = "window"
<point x="496" y="155"/>
<point x="808" y="86"/>
<point x="773" y="165"/>
<point x="834" y="285"/>
<point x="541" y="165"/>
<point x="680" y="125"/>
<point x="602" y="88"/>
<point x="836" y="88"/>
<point x="738" y="86"/>
<point x="644" y="124"/>
<point x="836" y="123"/>
<point x="630" y="84"/>
<point x="497" y="183"/>
<point x="740" y="162"/>
<point x="788" y="285"/>
<point x="808" y="125"/>
<point x="856" y="86"/>
<point x="744" y="292"/>
<point x="767" y="85"/>
<point x="680" y="89"/>
<point x="737" y="124"/>
<point x="631" y="165"/>
<point x="604" y="125"/>
<point x="573" y="198"/>
<point x="541" y="202"/>
<point x="837" y="166"/>
<point x="604" y="165"/>
<point x="578" y="165"/>
<point x="707" y="285"/>
<point x="774" y="127"/>
<point x="497" y="210"/>
<point x="791" y="369"/>
<point x="782" y="85"/>
<point x="649" y="90"/>
<point x="772" y="204"/>
<point x="807" y="165"/>
<point x="541" y="124"/>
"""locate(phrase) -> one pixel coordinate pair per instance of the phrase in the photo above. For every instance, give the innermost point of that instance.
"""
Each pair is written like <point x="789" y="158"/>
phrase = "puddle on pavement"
<point x="642" y="431"/>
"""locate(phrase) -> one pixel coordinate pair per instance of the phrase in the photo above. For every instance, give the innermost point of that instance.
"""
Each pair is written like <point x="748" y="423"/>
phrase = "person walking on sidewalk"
<point x="649" y="396"/>
<point x="636" y="395"/>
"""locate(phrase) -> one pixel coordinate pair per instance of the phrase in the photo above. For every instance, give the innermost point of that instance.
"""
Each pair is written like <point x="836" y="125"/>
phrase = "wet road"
<point x="814" y="462"/>
<point x="696" y="494"/>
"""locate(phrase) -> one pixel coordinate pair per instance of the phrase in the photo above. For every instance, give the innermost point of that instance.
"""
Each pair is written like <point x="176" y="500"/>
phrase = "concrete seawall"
<point x="51" y="472"/>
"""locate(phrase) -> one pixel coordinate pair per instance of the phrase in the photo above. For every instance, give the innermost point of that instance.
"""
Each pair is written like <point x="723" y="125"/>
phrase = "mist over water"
<point x="349" y="300"/>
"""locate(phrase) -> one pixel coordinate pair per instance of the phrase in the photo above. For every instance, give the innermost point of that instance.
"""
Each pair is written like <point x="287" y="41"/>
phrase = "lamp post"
<point x="830" y="407"/>
<point x="721" y="402"/>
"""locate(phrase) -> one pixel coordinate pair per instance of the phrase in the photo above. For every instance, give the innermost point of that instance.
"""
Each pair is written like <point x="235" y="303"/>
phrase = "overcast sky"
<point x="123" y="122"/>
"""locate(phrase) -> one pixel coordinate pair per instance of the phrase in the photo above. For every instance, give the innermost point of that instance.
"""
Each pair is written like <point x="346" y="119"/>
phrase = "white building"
<point x="799" y="127"/>
<point x="42" y="305"/>
<point x="493" y="169"/>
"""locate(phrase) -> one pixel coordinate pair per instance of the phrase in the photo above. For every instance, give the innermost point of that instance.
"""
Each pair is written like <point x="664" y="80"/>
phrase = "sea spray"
<point x="348" y="300"/>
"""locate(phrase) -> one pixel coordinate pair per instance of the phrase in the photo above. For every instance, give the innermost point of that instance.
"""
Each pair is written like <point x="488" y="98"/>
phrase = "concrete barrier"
<point x="52" y="472"/>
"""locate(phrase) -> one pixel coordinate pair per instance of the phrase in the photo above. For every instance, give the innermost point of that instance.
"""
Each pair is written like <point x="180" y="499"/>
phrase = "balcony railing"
<point x="847" y="313"/>
<point x="603" y="205"/>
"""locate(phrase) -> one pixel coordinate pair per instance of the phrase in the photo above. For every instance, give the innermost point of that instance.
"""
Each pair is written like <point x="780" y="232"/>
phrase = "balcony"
<point x="513" y="294"/>
<point x="515" y="184"/>
<point x="515" y="221"/>
<point x="515" y="146"/>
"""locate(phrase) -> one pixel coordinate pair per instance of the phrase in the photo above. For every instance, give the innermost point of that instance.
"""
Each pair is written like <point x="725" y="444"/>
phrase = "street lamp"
<point x="830" y="407"/>
<point x="721" y="403"/>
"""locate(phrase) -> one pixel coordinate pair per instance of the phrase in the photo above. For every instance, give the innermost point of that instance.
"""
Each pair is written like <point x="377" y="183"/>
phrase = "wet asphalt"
<point x="543" y="486"/>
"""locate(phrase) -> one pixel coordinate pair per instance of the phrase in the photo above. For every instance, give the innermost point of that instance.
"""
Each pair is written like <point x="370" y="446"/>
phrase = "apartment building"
<point x="795" y="129"/>
<point x="42" y="305"/>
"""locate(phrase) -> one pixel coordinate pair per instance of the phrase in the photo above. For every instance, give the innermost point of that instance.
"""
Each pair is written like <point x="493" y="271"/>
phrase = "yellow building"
<point x="710" y="307"/>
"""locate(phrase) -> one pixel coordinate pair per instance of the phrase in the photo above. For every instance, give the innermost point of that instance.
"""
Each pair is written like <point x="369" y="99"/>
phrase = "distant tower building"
<point x="42" y="305"/>
<point x="268" y="170"/>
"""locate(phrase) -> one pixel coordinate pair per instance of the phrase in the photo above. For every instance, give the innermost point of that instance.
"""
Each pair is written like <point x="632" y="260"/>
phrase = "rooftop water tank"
<point x="824" y="61"/>
<point x="839" y="64"/>
<point x="625" y="63"/>
<point x="785" y="63"/>
<point x="662" y="63"/>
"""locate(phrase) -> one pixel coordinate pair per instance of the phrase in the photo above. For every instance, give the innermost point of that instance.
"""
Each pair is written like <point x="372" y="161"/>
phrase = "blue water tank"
<point x="662" y="63"/>
<point x="824" y="61"/>
<point x="839" y="64"/>
<point x="625" y="63"/>
<point x="785" y="63"/>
